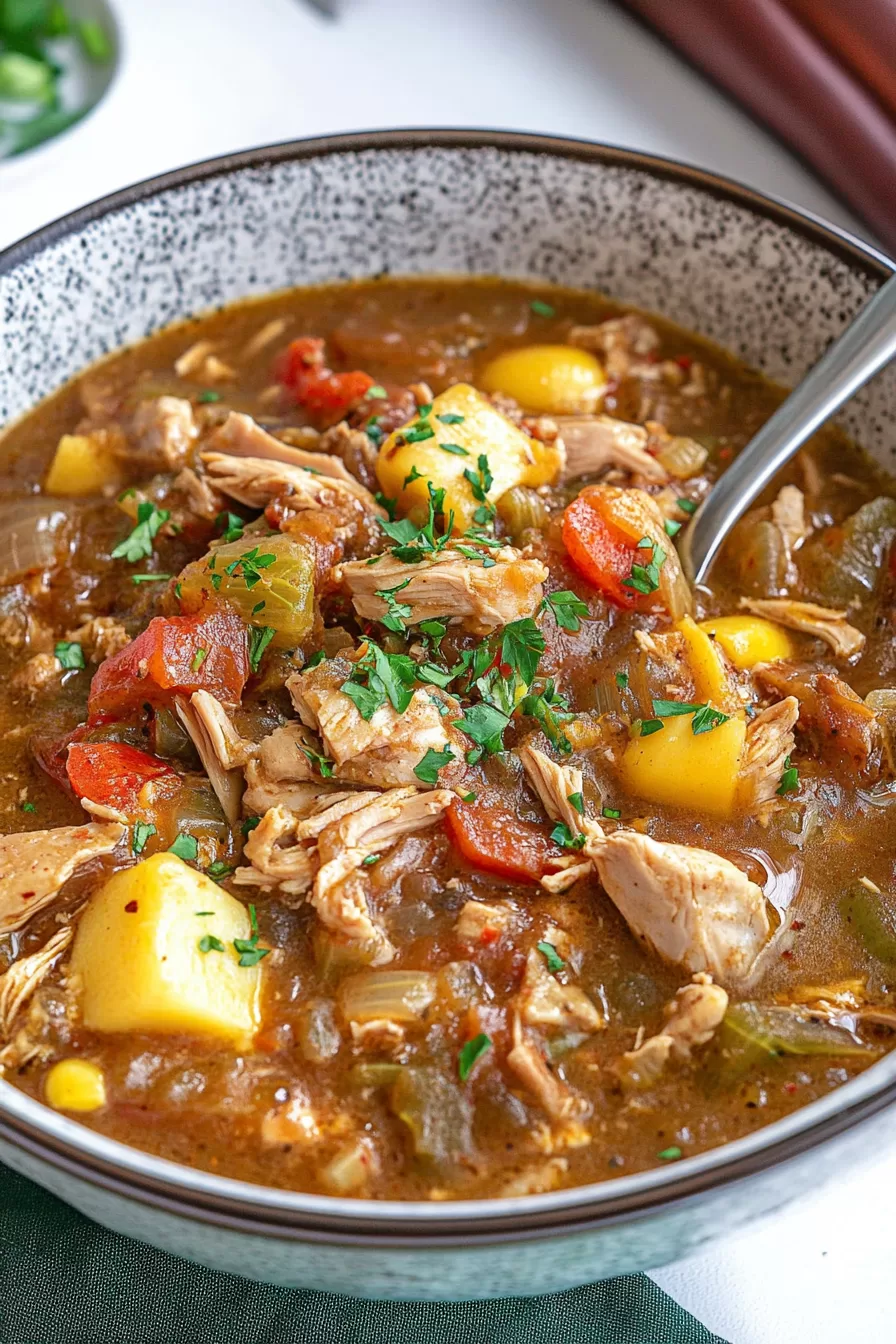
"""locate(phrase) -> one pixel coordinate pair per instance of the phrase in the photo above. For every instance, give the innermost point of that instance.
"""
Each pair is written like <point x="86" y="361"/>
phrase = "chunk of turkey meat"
<point x="24" y="976"/>
<point x="450" y="584"/>
<point x="824" y="623"/>
<point x="256" y="481"/>
<point x="551" y="1092"/>
<point x="356" y="450"/>
<point x="789" y="516"/>
<point x="100" y="638"/>
<point x="626" y="343"/>
<point x="200" y="499"/>
<point x="278" y="858"/>
<point x="480" y="922"/>
<point x="690" y="906"/>
<point x="34" y="866"/>
<point x="221" y="753"/>
<point x="769" y="741"/>
<point x="595" y="442"/>
<point x="341" y="884"/>
<point x="384" y="750"/>
<point x="241" y="436"/>
<point x="556" y="785"/>
<point x="161" y="434"/>
<point x="544" y="1001"/>
<point x="691" y="1019"/>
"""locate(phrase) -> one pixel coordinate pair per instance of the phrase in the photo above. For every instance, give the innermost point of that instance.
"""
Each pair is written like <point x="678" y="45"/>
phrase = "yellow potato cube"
<point x="148" y="960"/>
<point x="75" y="1085"/>
<point x="749" y="640"/>
<point x="474" y="427"/>
<point x="82" y="465"/>
<point x="681" y="768"/>
<point x="710" y="676"/>
<point x="550" y="379"/>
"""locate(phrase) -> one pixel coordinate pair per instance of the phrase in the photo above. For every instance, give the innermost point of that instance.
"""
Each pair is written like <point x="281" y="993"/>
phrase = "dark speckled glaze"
<point x="771" y="284"/>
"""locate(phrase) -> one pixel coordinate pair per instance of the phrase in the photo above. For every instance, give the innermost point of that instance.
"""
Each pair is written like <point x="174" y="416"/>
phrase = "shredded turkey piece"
<point x="550" y="1091"/>
<point x="825" y="623"/>
<point x="23" y="977"/>
<point x="241" y="436"/>
<point x="450" y="584"/>
<point x="34" y="866"/>
<point x="596" y="442"/>
<point x="162" y="433"/>
<point x="769" y="741"/>
<point x="544" y="1001"/>
<point x="277" y="856"/>
<point x="256" y="481"/>
<point x="691" y="1019"/>
<point x="220" y="749"/>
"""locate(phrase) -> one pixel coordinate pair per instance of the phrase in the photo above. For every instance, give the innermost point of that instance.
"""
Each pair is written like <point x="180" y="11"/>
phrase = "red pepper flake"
<point x="797" y="924"/>
<point x="790" y="1087"/>
<point x="787" y="954"/>
<point x="131" y="908"/>
<point x="684" y="361"/>
<point x="489" y="936"/>
<point x="26" y="895"/>
<point x="725" y="453"/>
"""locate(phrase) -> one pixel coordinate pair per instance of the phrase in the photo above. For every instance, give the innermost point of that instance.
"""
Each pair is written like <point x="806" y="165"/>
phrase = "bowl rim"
<point x="72" y="1149"/>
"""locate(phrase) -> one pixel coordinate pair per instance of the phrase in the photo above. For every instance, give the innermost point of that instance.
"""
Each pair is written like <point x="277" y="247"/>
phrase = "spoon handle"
<point x="866" y="345"/>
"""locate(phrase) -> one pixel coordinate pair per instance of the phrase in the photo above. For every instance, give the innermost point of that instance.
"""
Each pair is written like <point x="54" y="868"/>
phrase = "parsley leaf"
<point x="542" y="309"/>
<point x="260" y="637"/>
<point x="645" y="579"/>
<point x="470" y="1052"/>
<point x="522" y="645"/>
<point x="209" y="943"/>
<point x="250" y="954"/>
<point x="577" y="801"/>
<point x="389" y="676"/>
<point x="232" y="526"/>
<point x="455" y="449"/>
<point x="249" y="565"/>
<point x="790" y="780"/>
<point x="377" y="391"/>
<point x="323" y="765"/>
<point x="199" y="658"/>
<point x="481" y="481"/>
<point x="705" y="717"/>
<point x="622" y="680"/>
<point x="450" y="418"/>
<point x="418" y="433"/>
<point x="671" y="527"/>
<point x="563" y="836"/>
<point x="396" y="612"/>
<point x="142" y="831"/>
<point x="370" y="860"/>
<point x="70" y="655"/>
<point x="686" y="505"/>
<point x="484" y="725"/>
<point x="249" y="824"/>
<point x="567" y="609"/>
<point x="185" y="847"/>
<point x="138" y="544"/>
<point x="218" y="870"/>
<point x="551" y="711"/>
<point x="552" y="957"/>
<point x="428" y="768"/>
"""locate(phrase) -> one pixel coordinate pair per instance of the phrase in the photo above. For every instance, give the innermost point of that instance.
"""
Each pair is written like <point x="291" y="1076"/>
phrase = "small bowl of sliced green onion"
<point x="57" y="60"/>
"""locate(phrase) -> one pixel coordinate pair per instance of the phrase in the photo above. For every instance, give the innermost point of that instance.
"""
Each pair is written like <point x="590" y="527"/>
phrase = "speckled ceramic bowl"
<point x="764" y="280"/>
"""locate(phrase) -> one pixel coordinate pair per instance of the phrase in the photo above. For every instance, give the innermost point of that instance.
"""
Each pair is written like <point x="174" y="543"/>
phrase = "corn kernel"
<point x="75" y="1085"/>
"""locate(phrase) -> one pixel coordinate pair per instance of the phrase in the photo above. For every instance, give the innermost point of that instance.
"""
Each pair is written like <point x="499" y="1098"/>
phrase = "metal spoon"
<point x="867" y="344"/>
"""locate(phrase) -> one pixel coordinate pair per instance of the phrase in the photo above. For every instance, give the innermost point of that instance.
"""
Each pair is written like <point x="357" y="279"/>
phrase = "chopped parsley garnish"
<point x="646" y="727"/>
<point x="396" y="612"/>
<point x="450" y="418"/>
<point x="390" y="505"/>
<point x="486" y="561"/>
<point x="480" y="482"/>
<point x="554" y="961"/>
<point x="370" y="860"/>
<point x="377" y="391"/>
<point x="185" y="847"/>
<point x="428" y="768"/>
<point x="373" y="431"/>
<point x="418" y="433"/>
<point x="470" y="1052"/>
<point x="250" y="954"/>
<point x="232" y="526"/>
<point x="455" y="449"/>
<point x="259" y="607"/>
<point x="151" y="578"/>
<point x="671" y="527"/>
<point x="686" y="505"/>
<point x="705" y="717"/>
<point x="670" y="1154"/>
<point x="207" y="397"/>
<point x="199" y="658"/>
<point x="522" y="645"/>
<point x="249" y="824"/>
<point x="645" y="579"/>
<point x="542" y="309"/>
<point x="484" y="725"/>
<point x="577" y="801"/>
<point x="434" y="675"/>
<point x="137" y="545"/>
<point x="142" y="831"/>
<point x="70" y="655"/>
<point x="260" y="637"/>
<point x="322" y="764"/>
<point x="433" y="633"/>
<point x="315" y="660"/>
<point x="563" y="836"/>
<point x="413" y="475"/>
<point x="248" y="566"/>
<point x="467" y="797"/>
<point x="424" y="410"/>
<point x="209" y="943"/>
<point x="790" y="780"/>
<point x="218" y="870"/>
<point x="567" y="609"/>
<point x="611" y="813"/>
<point x="29" y="807"/>
<point x="622" y="680"/>
<point x="414" y="543"/>
<point x="388" y="676"/>
<point x="551" y="710"/>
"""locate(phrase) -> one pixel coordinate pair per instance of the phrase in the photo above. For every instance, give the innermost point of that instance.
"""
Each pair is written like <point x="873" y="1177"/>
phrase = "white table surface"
<point x="203" y="77"/>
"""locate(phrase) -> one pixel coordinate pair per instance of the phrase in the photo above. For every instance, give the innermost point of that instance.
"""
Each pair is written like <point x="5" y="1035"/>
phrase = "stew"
<point x="384" y="813"/>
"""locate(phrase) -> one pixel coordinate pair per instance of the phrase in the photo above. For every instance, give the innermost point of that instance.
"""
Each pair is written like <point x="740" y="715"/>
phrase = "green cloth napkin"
<point x="64" y="1280"/>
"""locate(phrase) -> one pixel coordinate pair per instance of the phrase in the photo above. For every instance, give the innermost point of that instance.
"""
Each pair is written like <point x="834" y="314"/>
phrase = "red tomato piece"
<point x="499" y="842"/>
<point x="302" y="370"/>
<point x="175" y="655"/>
<point x="115" y="774"/>
<point x="601" y="551"/>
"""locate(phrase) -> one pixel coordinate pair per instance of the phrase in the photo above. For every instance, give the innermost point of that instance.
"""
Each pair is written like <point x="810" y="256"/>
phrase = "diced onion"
<point x="400" y="996"/>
